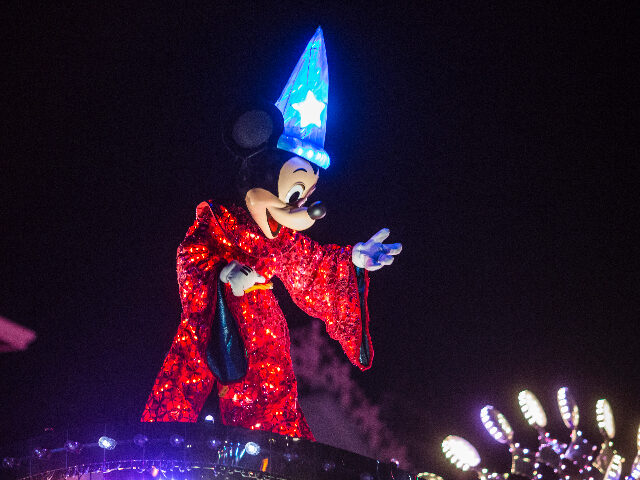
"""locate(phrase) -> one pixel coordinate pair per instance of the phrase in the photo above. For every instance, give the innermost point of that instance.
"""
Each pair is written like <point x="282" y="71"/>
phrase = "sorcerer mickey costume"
<point x="232" y="334"/>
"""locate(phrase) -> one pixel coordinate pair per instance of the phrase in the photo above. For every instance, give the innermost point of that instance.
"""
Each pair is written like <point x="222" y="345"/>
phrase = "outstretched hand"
<point x="373" y="254"/>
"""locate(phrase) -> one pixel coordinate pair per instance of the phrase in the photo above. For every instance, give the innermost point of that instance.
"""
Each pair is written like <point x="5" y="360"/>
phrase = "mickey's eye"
<point x="293" y="195"/>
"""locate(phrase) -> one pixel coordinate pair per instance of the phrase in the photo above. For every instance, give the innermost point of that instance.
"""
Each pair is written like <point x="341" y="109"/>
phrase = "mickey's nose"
<point x="317" y="210"/>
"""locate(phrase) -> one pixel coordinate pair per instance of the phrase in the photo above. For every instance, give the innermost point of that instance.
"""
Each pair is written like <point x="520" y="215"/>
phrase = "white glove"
<point x="374" y="254"/>
<point x="239" y="277"/>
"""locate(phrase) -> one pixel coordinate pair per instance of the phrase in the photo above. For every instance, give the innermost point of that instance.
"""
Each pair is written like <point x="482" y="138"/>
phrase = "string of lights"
<point x="579" y="459"/>
<point x="188" y="451"/>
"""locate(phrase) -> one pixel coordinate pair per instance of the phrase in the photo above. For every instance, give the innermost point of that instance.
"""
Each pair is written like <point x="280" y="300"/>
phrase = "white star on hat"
<point x="310" y="110"/>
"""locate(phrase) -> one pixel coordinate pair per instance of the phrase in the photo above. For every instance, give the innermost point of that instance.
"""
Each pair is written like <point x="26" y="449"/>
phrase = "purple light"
<point x="72" y="447"/>
<point x="328" y="466"/>
<point x="40" y="452"/>
<point x="140" y="440"/>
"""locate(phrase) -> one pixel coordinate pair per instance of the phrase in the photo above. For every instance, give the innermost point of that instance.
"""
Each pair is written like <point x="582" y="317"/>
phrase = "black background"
<point x="495" y="141"/>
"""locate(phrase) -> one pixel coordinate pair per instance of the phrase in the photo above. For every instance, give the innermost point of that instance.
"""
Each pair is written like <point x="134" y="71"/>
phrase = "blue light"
<point x="176" y="440"/>
<point x="300" y="147"/>
<point x="40" y="453"/>
<point x="72" y="447"/>
<point x="107" y="443"/>
<point x="140" y="440"/>
<point x="303" y="103"/>
<point x="252" y="448"/>
<point x="328" y="466"/>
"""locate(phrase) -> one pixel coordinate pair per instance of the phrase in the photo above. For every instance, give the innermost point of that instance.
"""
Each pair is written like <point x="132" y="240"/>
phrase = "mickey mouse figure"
<point x="233" y="335"/>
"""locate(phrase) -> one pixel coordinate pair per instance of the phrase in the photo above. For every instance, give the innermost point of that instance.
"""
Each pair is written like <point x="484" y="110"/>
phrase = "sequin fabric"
<point x="321" y="280"/>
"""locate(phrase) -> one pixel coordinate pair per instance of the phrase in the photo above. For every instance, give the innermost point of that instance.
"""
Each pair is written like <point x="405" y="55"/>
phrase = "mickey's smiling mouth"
<point x="273" y="225"/>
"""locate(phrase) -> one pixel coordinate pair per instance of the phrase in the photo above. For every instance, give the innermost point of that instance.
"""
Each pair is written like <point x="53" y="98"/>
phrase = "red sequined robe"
<point x="321" y="280"/>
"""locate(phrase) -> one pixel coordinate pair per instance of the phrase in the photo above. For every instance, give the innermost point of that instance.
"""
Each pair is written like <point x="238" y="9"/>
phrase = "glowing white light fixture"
<point x="496" y="424"/>
<point x="310" y="109"/>
<point x="209" y="418"/>
<point x="568" y="409"/>
<point x="635" y="467"/>
<point x="107" y="443"/>
<point x="604" y="416"/>
<point x="252" y="448"/>
<point x="428" y="476"/>
<point x="532" y="410"/>
<point x="460" y="452"/>
<point x="615" y="468"/>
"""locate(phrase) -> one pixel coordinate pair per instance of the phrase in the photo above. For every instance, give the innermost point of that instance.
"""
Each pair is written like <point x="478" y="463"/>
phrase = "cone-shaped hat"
<point x="303" y="103"/>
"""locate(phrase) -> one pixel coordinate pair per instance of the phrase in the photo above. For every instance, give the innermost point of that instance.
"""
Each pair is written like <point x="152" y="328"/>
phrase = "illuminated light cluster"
<point x="303" y="103"/>
<point x="568" y="408"/>
<point x="460" y="452"/>
<point x="305" y="150"/>
<point x="614" y="469"/>
<point x="328" y="465"/>
<point x="225" y="460"/>
<point x="252" y="448"/>
<point x="522" y="463"/>
<point x="532" y="409"/>
<point x="40" y="452"/>
<point x="579" y="460"/>
<point x="635" y="467"/>
<point x="320" y="278"/>
<point x="72" y="446"/>
<point x="496" y="424"/>
<point x="107" y="443"/>
<point x="428" y="476"/>
<point x="604" y="417"/>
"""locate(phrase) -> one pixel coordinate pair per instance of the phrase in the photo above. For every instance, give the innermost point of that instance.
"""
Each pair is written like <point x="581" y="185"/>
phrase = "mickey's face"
<point x="296" y="182"/>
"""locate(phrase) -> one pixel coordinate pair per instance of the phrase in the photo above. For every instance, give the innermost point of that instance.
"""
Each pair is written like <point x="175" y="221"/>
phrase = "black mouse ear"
<point x="253" y="128"/>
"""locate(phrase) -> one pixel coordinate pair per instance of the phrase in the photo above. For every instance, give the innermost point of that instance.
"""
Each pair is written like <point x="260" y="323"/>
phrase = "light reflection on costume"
<point x="233" y="334"/>
<point x="322" y="281"/>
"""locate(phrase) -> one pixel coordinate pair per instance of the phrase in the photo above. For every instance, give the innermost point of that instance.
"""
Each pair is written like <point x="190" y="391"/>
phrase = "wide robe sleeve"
<point x="323" y="282"/>
<point x="185" y="381"/>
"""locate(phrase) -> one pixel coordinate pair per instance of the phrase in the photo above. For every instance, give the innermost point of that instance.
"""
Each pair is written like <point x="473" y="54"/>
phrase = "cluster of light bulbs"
<point x="108" y="443"/>
<point x="577" y="460"/>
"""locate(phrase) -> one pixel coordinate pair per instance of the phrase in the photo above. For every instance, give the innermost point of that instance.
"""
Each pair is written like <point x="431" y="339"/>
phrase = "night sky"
<point x="496" y="143"/>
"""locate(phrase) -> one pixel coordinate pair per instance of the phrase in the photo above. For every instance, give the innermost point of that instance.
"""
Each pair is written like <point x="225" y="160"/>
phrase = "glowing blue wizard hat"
<point x="303" y="103"/>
